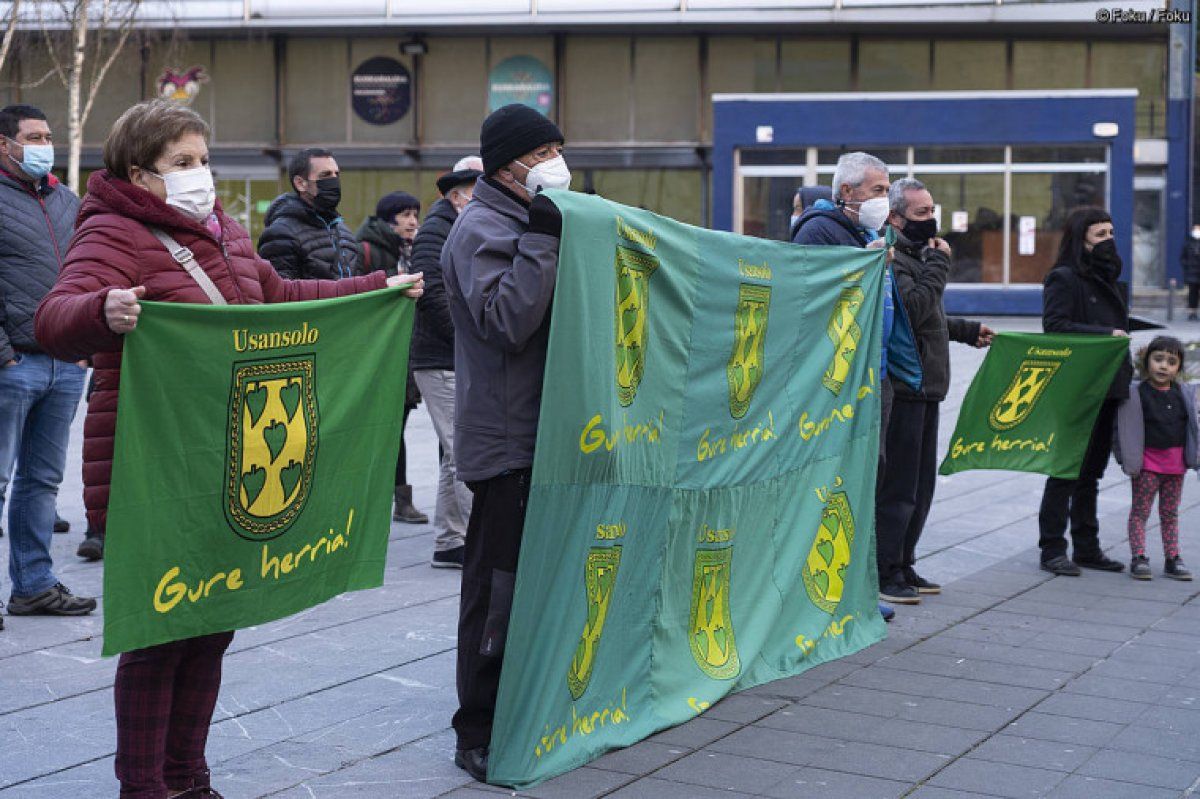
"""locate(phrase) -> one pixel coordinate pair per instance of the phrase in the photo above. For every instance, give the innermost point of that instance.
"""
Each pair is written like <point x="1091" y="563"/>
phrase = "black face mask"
<point x="1105" y="259"/>
<point x="919" y="232"/>
<point x="329" y="195"/>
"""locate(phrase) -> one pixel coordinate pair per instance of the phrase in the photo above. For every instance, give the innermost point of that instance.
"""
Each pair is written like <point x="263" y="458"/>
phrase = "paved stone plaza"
<point x="1012" y="683"/>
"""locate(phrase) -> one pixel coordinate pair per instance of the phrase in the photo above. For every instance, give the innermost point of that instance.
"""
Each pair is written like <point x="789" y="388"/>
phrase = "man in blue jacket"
<point x="38" y="394"/>
<point x="853" y="219"/>
<point x="499" y="265"/>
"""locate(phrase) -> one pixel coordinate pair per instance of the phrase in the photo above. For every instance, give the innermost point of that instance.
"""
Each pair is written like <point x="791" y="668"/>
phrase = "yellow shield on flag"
<point x="824" y="571"/>
<point x="745" y="369"/>
<point x="1018" y="400"/>
<point x="710" y="631"/>
<point x="844" y="332"/>
<point x="272" y="444"/>
<point x="600" y="576"/>
<point x="633" y="300"/>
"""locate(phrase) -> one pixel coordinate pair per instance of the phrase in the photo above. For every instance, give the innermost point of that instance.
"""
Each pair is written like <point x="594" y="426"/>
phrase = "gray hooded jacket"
<point x="500" y="283"/>
<point x="1129" y="444"/>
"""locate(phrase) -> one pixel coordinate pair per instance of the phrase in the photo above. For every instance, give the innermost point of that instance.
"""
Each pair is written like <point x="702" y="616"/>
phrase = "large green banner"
<point x="255" y="455"/>
<point x="1032" y="404"/>
<point x="702" y="510"/>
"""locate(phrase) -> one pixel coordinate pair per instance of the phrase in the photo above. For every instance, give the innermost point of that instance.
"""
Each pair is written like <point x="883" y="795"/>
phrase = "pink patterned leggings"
<point x="1168" y="487"/>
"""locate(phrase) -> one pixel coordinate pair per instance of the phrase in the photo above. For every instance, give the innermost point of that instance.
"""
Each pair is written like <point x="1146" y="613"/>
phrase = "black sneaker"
<point x="61" y="525"/>
<point x="55" y="601"/>
<point x="1139" y="568"/>
<point x="449" y="558"/>
<point x="887" y="611"/>
<point x="473" y="761"/>
<point x="899" y="594"/>
<point x="1175" y="569"/>
<point x="1100" y="562"/>
<point x="918" y="582"/>
<point x="92" y="547"/>
<point x="1062" y="566"/>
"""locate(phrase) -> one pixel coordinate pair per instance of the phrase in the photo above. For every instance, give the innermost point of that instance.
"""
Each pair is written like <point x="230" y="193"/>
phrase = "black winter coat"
<point x="920" y="275"/>
<point x="1078" y="299"/>
<point x="303" y="245"/>
<point x="35" y="228"/>
<point x="433" y="332"/>
<point x="383" y="250"/>
<point x="1191" y="261"/>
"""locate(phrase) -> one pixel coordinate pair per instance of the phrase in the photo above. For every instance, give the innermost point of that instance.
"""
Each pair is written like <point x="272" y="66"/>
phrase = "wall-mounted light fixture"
<point x="1105" y="130"/>
<point x="414" y="46"/>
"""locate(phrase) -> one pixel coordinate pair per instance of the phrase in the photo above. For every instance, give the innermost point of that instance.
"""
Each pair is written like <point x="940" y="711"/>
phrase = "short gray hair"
<point x="897" y="194"/>
<point x="852" y="169"/>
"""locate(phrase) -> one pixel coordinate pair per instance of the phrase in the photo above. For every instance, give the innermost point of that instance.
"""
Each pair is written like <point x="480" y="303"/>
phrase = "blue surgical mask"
<point x="39" y="159"/>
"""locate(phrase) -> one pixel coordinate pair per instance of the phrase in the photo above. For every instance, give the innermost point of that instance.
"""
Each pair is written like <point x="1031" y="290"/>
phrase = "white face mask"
<point x="873" y="213"/>
<point x="190" y="192"/>
<point x="552" y="174"/>
<point x="1196" y="233"/>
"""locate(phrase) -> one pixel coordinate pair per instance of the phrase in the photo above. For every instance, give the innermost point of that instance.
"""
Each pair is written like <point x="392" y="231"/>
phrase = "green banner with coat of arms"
<point x="254" y="461"/>
<point x="1032" y="404"/>
<point x="701" y="517"/>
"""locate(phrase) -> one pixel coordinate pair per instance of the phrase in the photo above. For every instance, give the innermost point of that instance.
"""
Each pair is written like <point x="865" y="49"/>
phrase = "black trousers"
<point x="489" y="576"/>
<point x="402" y="455"/>
<point x="905" y="492"/>
<point x="1193" y="296"/>
<point x="1075" y="500"/>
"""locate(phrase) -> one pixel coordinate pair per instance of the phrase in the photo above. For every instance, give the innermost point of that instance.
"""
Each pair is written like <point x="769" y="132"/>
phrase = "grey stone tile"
<point x="1171" y="640"/>
<point x="1186" y="720"/>
<point x="696" y="733"/>
<point x="727" y="772"/>
<point x="813" y="782"/>
<point x="979" y="670"/>
<point x="1154" y="741"/>
<point x="1069" y="643"/>
<point x="1079" y="787"/>
<point x="1116" y="688"/>
<point x="1064" y="729"/>
<point x="908" y="707"/>
<point x="582" y="783"/>
<point x="643" y="757"/>
<point x="1165" y="673"/>
<point x="651" y="788"/>
<point x="1143" y="769"/>
<point x="1081" y="706"/>
<point x="799" y="749"/>
<point x="1003" y="653"/>
<point x="932" y="792"/>
<point x="997" y="779"/>
<point x="919" y="736"/>
<point x="885" y="762"/>
<point x="743" y="709"/>
<point x="1033" y="752"/>
<point x="962" y="690"/>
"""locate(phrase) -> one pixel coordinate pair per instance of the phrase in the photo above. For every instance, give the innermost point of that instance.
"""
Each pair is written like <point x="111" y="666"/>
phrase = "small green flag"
<point x="255" y="453"/>
<point x="1033" y="402"/>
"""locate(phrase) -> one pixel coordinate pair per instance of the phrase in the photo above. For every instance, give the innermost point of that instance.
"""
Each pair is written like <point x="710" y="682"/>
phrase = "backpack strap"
<point x="184" y="257"/>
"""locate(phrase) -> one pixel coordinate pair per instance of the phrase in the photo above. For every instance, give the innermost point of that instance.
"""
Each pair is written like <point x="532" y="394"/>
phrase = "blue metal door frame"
<point x="905" y="119"/>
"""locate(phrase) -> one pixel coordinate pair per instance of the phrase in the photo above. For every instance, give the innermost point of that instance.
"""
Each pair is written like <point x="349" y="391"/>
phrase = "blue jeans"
<point x="38" y="399"/>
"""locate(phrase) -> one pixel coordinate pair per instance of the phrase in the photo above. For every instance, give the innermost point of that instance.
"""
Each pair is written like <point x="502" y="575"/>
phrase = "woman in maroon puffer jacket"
<point x="156" y="160"/>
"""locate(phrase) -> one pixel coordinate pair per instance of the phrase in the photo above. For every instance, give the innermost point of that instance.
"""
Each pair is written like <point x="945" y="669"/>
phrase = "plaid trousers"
<point x="165" y="696"/>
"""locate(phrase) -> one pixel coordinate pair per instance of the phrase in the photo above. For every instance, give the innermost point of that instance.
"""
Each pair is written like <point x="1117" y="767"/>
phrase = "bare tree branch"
<point x="35" y="84"/>
<point x="15" y="13"/>
<point x="50" y="48"/>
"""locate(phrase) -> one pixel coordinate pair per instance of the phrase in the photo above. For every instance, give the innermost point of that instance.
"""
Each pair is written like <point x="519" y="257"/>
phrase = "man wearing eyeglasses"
<point x="38" y="394"/>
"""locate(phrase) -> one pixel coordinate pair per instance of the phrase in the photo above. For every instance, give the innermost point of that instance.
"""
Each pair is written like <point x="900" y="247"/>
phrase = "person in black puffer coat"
<point x="387" y="239"/>
<point x="1191" y="271"/>
<point x="1081" y="295"/>
<point x="304" y="237"/>
<point x="432" y="359"/>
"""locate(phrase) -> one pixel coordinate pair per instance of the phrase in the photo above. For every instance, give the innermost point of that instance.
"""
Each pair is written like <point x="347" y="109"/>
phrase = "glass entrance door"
<point x="1149" y="235"/>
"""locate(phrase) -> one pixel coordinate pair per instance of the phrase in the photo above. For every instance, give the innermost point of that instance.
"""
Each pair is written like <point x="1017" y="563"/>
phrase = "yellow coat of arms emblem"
<point x="824" y="570"/>
<point x="634" y="269"/>
<point x="710" y="631"/>
<point x="745" y="369"/>
<point x="272" y="444"/>
<point x="844" y="332"/>
<point x="1022" y="393"/>
<point x="600" y="577"/>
